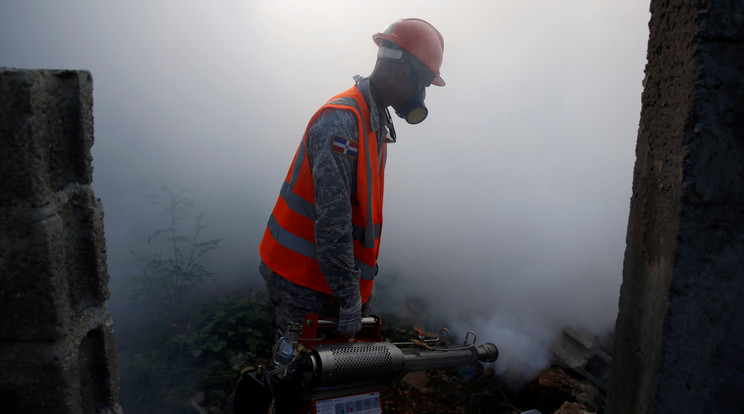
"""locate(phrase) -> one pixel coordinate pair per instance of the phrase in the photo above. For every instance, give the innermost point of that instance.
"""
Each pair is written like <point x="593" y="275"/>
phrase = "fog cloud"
<point x="507" y="207"/>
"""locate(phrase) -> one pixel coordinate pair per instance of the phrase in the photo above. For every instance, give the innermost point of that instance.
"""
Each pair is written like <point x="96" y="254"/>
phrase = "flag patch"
<point x="344" y="146"/>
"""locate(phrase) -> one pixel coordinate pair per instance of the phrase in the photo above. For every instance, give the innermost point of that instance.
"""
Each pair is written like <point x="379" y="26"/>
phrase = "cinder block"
<point x="32" y="381"/>
<point x="98" y="371"/>
<point x="85" y="255"/>
<point x="75" y="375"/>
<point x="52" y="264"/>
<point x="46" y="124"/>
<point x="576" y="352"/>
<point x="33" y="280"/>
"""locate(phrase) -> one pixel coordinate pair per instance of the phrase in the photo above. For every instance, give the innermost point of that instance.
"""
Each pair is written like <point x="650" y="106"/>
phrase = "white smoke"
<point x="506" y="209"/>
<point x="523" y="350"/>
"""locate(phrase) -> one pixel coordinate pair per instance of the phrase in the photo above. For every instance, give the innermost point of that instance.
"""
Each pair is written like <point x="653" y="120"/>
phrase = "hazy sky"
<point x="508" y="205"/>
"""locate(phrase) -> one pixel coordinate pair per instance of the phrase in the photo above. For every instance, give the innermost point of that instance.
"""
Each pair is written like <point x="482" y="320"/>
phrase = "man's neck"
<point x="377" y="96"/>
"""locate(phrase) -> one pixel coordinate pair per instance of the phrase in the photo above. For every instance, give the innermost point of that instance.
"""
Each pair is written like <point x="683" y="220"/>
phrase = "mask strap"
<point x="389" y="124"/>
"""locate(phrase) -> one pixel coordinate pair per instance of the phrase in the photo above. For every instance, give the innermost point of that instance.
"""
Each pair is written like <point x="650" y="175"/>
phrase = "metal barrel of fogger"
<point x="348" y="363"/>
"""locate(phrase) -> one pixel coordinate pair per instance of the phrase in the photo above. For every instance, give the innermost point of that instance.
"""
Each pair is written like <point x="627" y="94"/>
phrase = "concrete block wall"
<point x="679" y="338"/>
<point x="57" y="352"/>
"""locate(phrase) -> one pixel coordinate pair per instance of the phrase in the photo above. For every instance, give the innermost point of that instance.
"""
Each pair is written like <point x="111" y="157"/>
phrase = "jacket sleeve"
<point x="334" y="176"/>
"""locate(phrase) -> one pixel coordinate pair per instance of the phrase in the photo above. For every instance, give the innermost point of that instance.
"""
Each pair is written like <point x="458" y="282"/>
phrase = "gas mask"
<point x="414" y="111"/>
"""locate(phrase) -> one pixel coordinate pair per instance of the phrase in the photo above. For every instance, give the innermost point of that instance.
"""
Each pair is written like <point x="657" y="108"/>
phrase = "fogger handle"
<point x="367" y="321"/>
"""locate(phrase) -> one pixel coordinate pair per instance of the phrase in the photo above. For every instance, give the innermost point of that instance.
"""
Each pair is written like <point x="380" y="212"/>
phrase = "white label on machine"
<point x="368" y="403"/>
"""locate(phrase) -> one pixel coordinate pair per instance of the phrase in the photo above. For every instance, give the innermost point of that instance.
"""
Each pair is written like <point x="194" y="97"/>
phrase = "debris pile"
<point x="586" y="358"/>
<point x="574" y="385"/>
<point x="460" y="391"/>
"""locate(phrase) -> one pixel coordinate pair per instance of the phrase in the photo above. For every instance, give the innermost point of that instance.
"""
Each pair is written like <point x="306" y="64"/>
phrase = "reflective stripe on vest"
<point x="288" y="245"/>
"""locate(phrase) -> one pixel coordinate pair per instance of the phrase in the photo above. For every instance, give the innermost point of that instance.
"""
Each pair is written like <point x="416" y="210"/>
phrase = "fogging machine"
<point x="315" y="371"/>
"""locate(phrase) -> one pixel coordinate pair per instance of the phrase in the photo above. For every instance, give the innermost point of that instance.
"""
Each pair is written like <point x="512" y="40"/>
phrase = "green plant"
<point x="166" y="277"/>
<point x="202" y="355"/>
<point x="230" y="327"/>
<point x="229" y="334"/>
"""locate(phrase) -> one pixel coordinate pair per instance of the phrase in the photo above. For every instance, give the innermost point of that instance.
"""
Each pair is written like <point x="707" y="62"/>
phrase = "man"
<point x="319" y="251"/>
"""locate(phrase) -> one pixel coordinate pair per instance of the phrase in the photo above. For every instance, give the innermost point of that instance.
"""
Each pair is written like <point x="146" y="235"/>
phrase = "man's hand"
<point x="350" y="317"/>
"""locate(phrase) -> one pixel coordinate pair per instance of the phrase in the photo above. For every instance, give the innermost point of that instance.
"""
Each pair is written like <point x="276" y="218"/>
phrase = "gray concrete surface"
<point x="679" y="337"/>
<point x="57" y="352"/>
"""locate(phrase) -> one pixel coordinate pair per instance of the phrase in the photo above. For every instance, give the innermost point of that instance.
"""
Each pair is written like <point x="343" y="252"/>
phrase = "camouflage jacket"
<point x="334" y="176"/>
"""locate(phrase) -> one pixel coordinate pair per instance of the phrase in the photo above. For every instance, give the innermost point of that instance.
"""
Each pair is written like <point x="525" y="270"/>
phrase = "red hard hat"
<point x="420" y="39"/>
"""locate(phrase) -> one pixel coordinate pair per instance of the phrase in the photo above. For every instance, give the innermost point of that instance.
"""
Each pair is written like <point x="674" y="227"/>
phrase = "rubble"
<point x="572" y="408"/>
<point x="418" y="380"/>
<point x="583" y="356"/>
<point x="553" y="387"/>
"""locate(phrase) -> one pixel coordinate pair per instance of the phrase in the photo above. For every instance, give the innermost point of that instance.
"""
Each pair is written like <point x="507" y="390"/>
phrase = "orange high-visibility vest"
<point x="288" y="244"/>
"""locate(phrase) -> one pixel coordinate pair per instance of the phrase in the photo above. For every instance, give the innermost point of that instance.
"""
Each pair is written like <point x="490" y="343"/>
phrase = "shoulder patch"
<point x="343" y="146"/>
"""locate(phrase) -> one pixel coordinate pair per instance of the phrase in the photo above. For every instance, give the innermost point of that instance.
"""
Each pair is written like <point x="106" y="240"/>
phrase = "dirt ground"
<point x="553" y="391"/>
